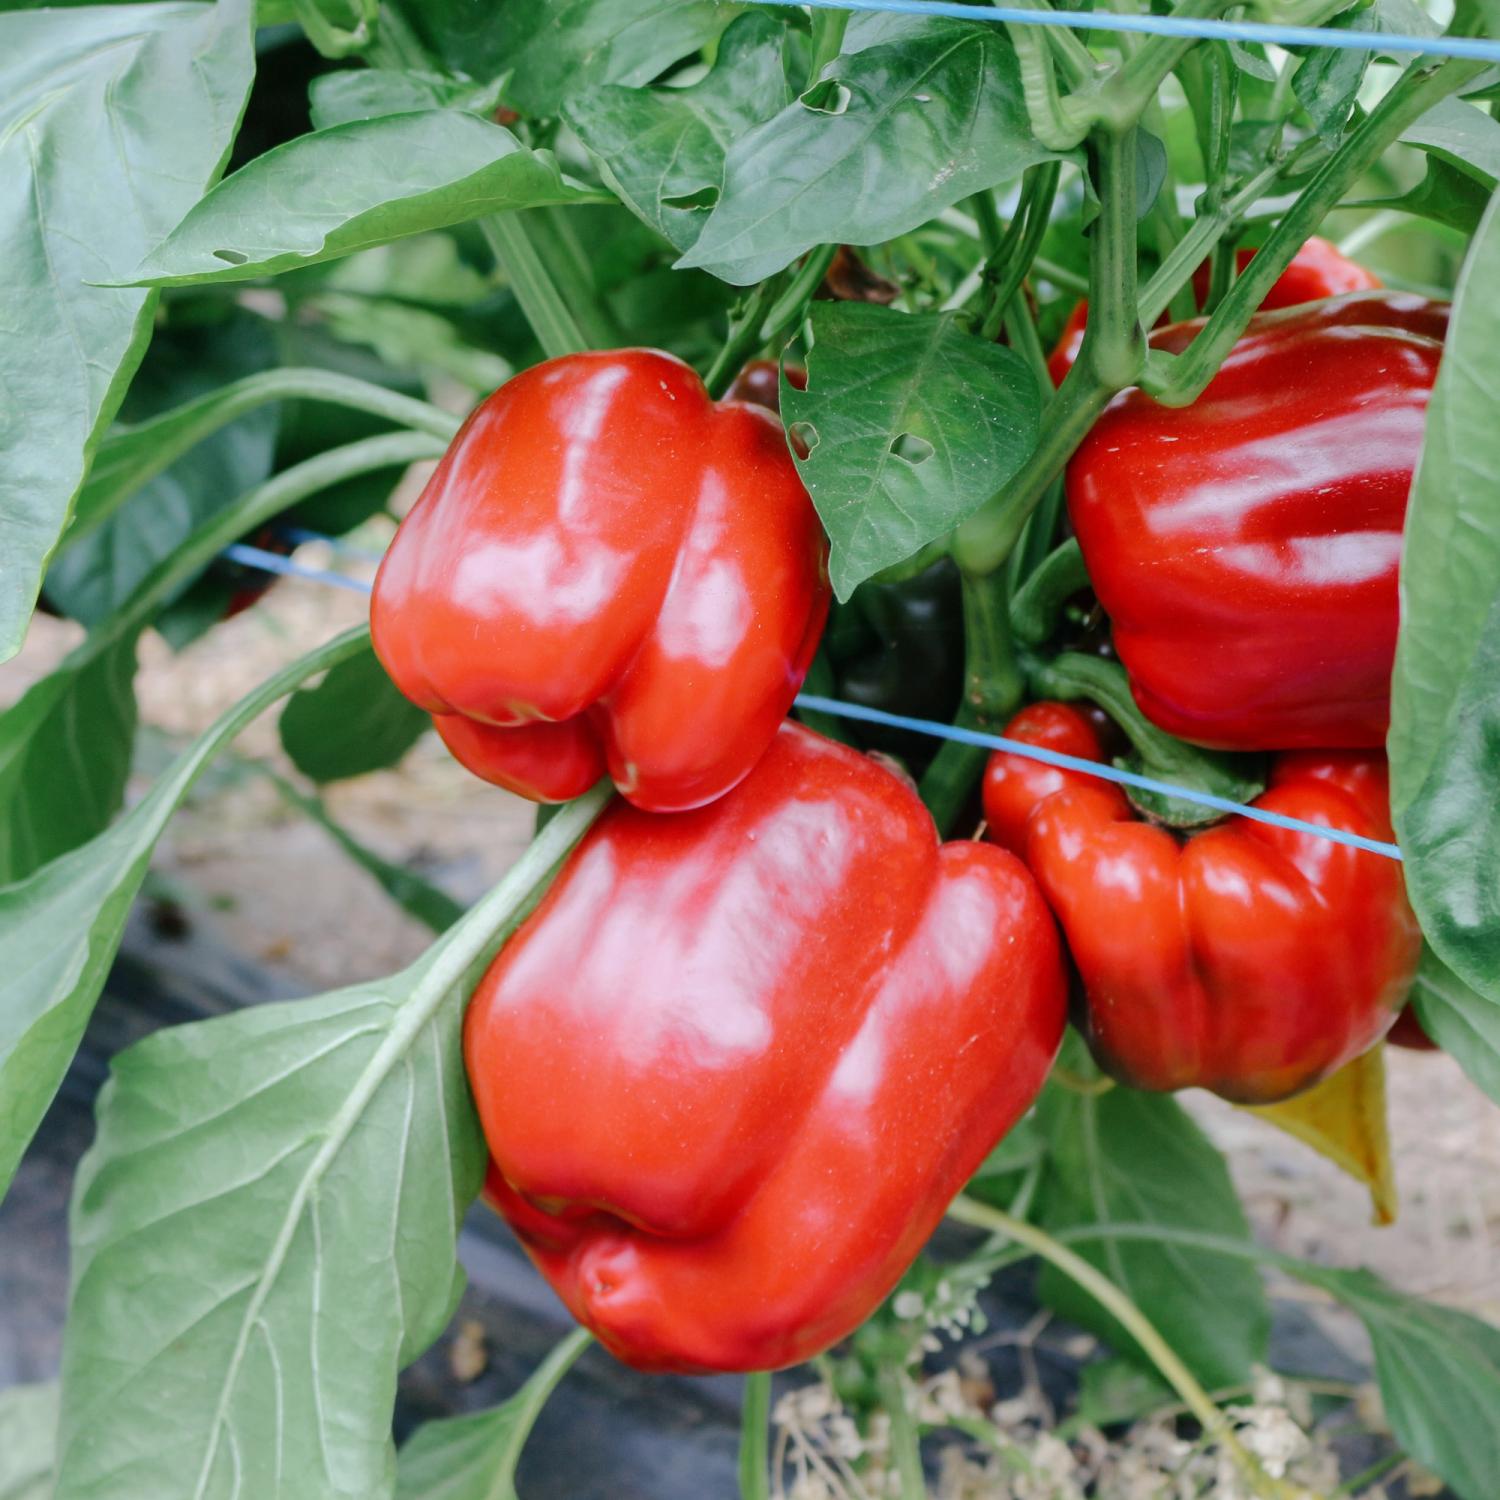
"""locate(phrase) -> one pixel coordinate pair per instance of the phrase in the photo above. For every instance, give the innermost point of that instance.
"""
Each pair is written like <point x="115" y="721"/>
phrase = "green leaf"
<point x="1328" y="81"/>
<point x="336" y="191"/>
<point x="912" y="424"/>
<point x="28" y="1438"/>
<point x="353" y="722"/>
<point x="1444" y="741"/>
<point x="556" y="49"/>
<point x="264" y="1230"/>
<point x="113" y="119"/>
<point x="885" y="141"/>
<point x="1447" y="195"/>
<point x="662" y="150"/>
<point x="1461" y="134"/>
<point x="1464" y="1024"/>
<point x="475" y="1457"/>
<point x="1439" y="1376"/>
<point x="1129" y="1157"/>
<point x="60" y="927"/>
<point x="419" y="898"/>
<point x="65" y="750"/>
<point x="349" y="94"/>
<point x="97" y="570"/>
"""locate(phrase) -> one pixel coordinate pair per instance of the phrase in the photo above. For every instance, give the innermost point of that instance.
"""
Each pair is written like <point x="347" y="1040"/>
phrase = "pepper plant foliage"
<point x="239" y="305"/>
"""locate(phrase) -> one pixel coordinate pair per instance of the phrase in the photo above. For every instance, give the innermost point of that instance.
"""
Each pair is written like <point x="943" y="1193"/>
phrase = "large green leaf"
<point x="366" y="93"/>
<point x="1439" y="1375"/>
<point x="65" y="750"/>
<point x="60" y="927"/>
<point x="1461" y="134"/>
<point x="1131" y="1158"/>
<point x="662" y="150"/>
<point x="912" y="424"/>
<point x="1464" y="1024"/>
<point x="474" y="1457"/>
<point x="335" y="191"/>
<point x="97" y="570"/>
<point x="353" y="722"/>
<point x="113" y="119"/>
<point x="886" y="140"/>
<point x="555" y="49"/>
<point x="28" y="1438"/>
<point x="264" y="1231"/>
<point x="1328" y="81"/>
<point x="1445" y="713"/>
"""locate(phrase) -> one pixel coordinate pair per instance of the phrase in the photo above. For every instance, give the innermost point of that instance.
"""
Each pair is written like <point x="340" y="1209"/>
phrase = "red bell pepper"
<point x="736" y="1064"/>
<point x="1246" y="959"/>
<point x="607" y="572"/>
<point x="1317" y="270"/>
<point x="1246" y="547"/>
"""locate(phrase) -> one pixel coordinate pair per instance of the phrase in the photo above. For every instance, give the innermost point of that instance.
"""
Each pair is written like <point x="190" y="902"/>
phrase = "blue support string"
<point x="1225" y="31"/>
<point x="272" y="562"/>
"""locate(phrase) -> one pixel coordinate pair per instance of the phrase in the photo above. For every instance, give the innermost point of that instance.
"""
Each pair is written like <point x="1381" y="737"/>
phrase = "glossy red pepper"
<point x="1246" y="959"/>
<point x="1246" y="547"/>
<point x="736" y="1064"/>
<point x="607" y="572"/>
<point x="1317" y="270"/>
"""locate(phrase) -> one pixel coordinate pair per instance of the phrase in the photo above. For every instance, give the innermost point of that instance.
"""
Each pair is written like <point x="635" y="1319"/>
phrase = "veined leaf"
<point x="1463" y="1023"/>
<point x="113" y="119"/>
<point x="28" y="1438"/>
<point x="352" y="186"/>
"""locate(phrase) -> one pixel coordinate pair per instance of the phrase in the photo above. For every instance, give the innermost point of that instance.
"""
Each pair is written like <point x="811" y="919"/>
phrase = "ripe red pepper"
<point x="1246" y="959"/>
<point x="1317" y="270"/>
<point x="736" y="1064"/>
<point x="607" y="572"/>
<point x="1246" y="547"/>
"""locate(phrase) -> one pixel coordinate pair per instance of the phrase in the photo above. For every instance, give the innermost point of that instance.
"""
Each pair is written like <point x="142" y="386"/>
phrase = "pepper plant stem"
<point x="551" y="319"/>
<point x="1140" y="1328"/>
<point x="905" y="1445"/>
<point x="755" y="1444"/>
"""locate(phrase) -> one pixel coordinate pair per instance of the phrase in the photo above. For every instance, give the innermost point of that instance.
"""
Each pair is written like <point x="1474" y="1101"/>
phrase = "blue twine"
<point x="1224" y="31"/>
<point x="256" y="557"/>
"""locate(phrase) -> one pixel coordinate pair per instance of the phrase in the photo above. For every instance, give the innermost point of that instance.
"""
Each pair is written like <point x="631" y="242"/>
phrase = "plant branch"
<point x="755" y="1444"/>
<point x="553" y="322"/>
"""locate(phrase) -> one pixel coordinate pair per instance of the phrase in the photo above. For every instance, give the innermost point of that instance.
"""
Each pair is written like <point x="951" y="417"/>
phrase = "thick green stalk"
<point x="553" y="322"/>
<point x="905" y="1446"/>
<point x="1178" y="380"/>
<point x="1038" y="603"/>
<point x="755" y="1437"/>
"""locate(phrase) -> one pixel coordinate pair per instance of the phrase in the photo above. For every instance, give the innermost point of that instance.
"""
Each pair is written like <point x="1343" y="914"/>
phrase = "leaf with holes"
<point x="1444" y="740"/>
<point x="556" y="49"/>
<point x="113" y="119"/>
<point x="354" y="721"/>
<point x="264" y="1230"/>
<point x="662" y="150"/>
<point x="347" y="188"/>
<point x="911" y="425"/>
<point x="884" y="141"/>
<point x="1127" y="1157"/>
<point x="60" y="927"/>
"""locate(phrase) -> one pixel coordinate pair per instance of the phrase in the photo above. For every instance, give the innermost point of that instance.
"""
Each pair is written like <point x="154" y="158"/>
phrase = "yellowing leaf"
<point x="1344" y="1119"/>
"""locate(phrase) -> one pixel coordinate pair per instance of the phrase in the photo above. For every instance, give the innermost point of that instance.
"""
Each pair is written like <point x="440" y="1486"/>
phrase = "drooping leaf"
<point x="1344" y="1119"/>
<point x="474" y="1457"/>
<point x="887" y="139"/>
<point x="1439" y="1376"/>
<point x="1446" y="194"/>
<point x="113" y="120"/>
<point x="1464" y="1024"/>
<point x="1445" y="715"/>
<point x="1129" y="1157"/>
<point x="264" y="1230"/>
<point x="1461" y="134"/>
<point x="1327" y="82"/>
<point x="28" y="1440"/>
<point x="65" y="750"/>
<point x="911" y="423"/>
<point x="353" y="722"/>
<point x="98" y="569"/>
<point x="60" y="927"/>
<point x="556" y="49"/>
<point x="335" y="191"/>
<point x="662" y="150"/>
<point x="367" y="93"/>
